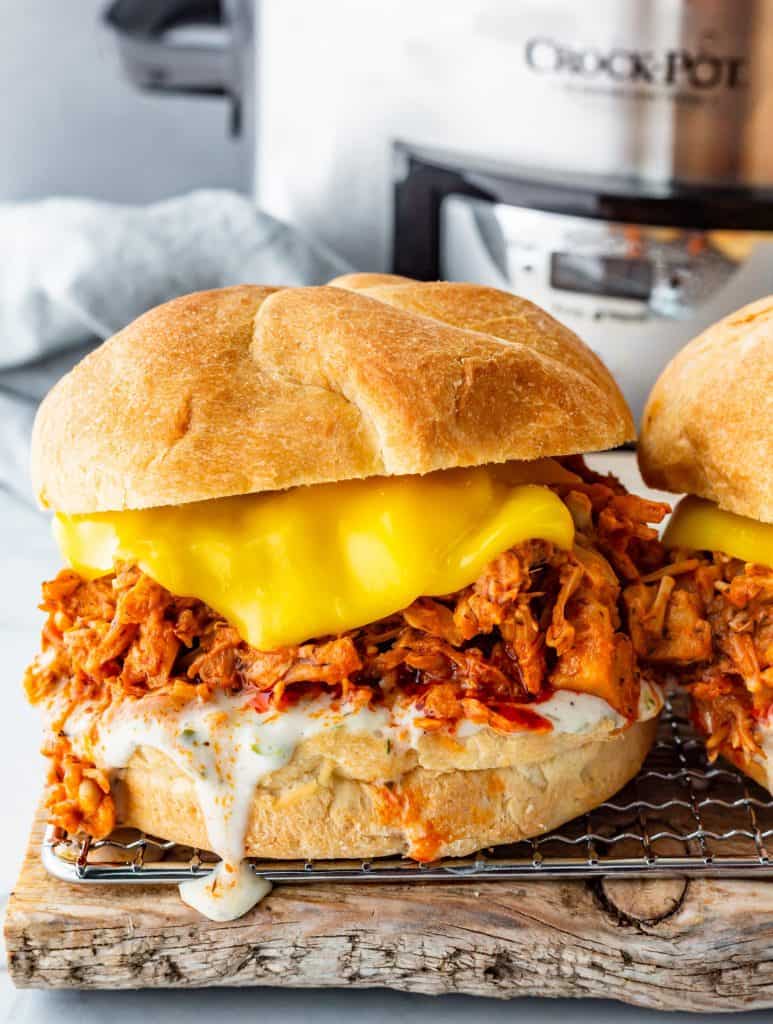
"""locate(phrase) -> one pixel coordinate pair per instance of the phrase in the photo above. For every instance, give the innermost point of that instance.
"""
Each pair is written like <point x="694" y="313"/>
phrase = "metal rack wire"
<point x="680" y="815"/>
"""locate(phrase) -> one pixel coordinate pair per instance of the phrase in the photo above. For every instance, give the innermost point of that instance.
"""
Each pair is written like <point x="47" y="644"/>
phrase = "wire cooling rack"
<point x="680" y="815"/>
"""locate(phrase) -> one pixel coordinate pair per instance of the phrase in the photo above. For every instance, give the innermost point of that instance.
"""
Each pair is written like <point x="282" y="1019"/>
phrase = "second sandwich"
<point x="706" y="615"/>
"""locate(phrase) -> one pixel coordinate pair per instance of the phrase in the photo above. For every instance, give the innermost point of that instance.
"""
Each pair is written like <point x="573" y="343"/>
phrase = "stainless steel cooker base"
<point x="679" y="816"/>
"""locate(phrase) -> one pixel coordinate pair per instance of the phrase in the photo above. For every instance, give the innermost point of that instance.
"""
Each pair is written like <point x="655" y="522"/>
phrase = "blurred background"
<point x="73" y="124"/>
<point x="615" y="165"/>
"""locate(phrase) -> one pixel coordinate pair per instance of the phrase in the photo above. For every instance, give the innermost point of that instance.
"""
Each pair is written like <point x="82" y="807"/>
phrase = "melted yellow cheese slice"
<point x="702" y="526"/>
<point x="287" y="566"/>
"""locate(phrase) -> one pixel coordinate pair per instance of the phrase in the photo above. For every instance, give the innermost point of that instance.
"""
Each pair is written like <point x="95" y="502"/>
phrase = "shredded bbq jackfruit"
<point x="708" y="619"/>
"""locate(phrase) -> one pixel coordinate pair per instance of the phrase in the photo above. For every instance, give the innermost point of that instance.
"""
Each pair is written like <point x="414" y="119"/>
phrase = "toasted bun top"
<point x="708" y="424"/>
<point x="252" y="389"/>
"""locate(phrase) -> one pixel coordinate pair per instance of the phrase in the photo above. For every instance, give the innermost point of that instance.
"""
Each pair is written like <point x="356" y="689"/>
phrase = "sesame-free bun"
<point x="708" y="424"/>
<point x="345" y="797"/>
<point x="251" y="389"/>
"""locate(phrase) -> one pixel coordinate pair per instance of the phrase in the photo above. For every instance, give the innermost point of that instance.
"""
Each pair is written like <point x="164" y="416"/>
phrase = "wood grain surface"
<point x="669" y="944"/>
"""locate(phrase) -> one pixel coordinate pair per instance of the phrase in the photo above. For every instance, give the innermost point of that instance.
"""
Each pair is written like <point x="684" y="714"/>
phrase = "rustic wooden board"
<point x="669" y="944"/>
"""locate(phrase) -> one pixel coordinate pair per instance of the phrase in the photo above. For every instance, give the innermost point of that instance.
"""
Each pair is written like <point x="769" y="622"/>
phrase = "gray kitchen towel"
<point x="74" y="271"/>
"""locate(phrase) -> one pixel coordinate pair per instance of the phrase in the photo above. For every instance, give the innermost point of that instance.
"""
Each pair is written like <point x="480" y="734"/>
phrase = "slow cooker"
<point x="612" y="161"/>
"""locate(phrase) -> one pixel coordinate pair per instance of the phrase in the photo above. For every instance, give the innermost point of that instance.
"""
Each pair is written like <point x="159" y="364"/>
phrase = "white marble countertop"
<point x="28" y="557"/>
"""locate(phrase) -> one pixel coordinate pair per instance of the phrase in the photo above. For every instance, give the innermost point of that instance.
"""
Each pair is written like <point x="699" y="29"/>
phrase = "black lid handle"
<point x="154" y="59"/>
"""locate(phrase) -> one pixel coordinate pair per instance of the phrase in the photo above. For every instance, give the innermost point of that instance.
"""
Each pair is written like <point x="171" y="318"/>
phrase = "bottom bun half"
<point x="424" y="813"/>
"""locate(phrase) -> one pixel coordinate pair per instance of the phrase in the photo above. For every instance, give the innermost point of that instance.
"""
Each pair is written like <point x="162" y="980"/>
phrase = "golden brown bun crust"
<point x="434" y="807"/>
<point x="255" y="389"/>
<point x="708" y="424"/>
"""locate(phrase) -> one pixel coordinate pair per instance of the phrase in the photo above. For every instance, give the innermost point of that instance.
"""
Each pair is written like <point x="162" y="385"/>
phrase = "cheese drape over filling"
<point x="224" y="634"/>
<point x="700" y="525"/>
<point x="319" y="560"/>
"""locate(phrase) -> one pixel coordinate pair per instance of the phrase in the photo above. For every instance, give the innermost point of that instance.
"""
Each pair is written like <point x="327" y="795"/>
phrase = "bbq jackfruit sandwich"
<point x="706" y="615"/>
<point x="338" y="580"/>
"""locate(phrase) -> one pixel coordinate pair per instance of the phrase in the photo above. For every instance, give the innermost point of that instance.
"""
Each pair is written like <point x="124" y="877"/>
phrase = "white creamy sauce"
<point x="578" y="712"/>
<point x="226" y="748"/>
<point x="227" y="892"/>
